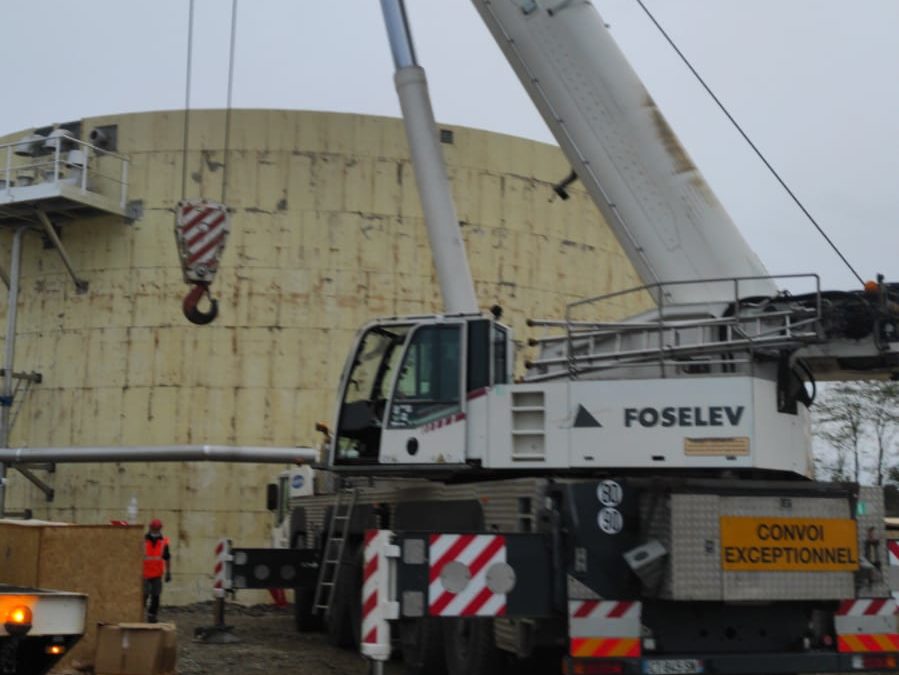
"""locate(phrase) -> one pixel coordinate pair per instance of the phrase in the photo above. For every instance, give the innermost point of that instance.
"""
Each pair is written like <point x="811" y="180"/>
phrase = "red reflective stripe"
<point x="210" y="227"/>
<point x="206" y="249"/>
<point x="461" y="544"/>
<point x="870" y="643"/>
<point x="371" y="636"/>
<point x="845" y="607"/>
<point x="369" y="535"/>
<point x="586" y="607"/>
<point x="440" y="604"/>
<point x="479" y="601"/>
<point x="191" y="222"/>
<point x="619" y="609"/>
<point x="370" y="603"/>
<point x="486" y="555"/>
<point x="875" y="606"/>
<point x="370" y="568"/>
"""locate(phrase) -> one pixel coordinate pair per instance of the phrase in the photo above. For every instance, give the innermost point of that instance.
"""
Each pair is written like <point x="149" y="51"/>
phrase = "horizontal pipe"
<point x="161" y="453"/>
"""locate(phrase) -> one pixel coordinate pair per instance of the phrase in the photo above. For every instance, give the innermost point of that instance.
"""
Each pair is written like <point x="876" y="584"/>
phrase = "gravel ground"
<point x="269" y="644"/>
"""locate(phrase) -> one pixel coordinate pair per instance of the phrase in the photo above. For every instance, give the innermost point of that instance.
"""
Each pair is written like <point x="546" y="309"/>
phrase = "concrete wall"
<point x="327" y="232"/>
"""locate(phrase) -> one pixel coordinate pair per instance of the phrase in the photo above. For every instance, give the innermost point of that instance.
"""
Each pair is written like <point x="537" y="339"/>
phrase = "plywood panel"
<point x="19" y="548"/>
<point x="104" y="562"/>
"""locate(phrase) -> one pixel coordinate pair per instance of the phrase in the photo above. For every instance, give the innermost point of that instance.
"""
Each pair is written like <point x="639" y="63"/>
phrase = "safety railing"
<point x="722" y="332"/>
<point x="67" y="160"/>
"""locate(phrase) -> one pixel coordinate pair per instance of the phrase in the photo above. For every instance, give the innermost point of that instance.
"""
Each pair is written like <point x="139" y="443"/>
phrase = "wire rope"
<point x="749" y="141"/>
<point x="187" y="78"/>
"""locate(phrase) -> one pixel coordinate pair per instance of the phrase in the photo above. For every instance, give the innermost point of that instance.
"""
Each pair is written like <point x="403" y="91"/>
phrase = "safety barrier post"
<point x="219" y="632"/>
<point x="379" y="605"/>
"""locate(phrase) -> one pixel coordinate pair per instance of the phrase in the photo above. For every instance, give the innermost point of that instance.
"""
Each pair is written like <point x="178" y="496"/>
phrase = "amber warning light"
<point x="18" y="620"/>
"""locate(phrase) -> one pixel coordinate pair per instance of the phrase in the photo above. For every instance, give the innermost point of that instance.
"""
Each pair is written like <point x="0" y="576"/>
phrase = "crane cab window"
<point x="365" y="393"/>
<point x="428" y="385"/>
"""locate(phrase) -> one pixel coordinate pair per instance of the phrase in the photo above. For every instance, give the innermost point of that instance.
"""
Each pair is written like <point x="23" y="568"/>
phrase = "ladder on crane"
<point x="335" y="544"/>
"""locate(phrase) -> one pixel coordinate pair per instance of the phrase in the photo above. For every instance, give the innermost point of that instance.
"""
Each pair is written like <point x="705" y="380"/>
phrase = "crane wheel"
<point x="345" y="619"/>
<point x="421" y="641"/>
<point x="470" y="647"/>
<point x="303" y="616"/>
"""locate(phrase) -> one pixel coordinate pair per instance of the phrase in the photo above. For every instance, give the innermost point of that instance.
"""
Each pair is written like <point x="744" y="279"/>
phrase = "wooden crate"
<point x="102" y="561"/>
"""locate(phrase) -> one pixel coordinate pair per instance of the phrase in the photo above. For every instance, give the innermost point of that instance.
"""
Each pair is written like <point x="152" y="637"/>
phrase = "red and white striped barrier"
<point x="377" y="608"/>
<point x="868" y="607"/>
<point x="867" y="625"/>
<point x="598" y="628"/>
<point x="458" y="574"/>
<point x="893" y="551"/>
<point x="222" y="570"/>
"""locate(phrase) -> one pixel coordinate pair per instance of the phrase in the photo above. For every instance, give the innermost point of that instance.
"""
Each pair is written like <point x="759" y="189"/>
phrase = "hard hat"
<point x="156" y="524"/>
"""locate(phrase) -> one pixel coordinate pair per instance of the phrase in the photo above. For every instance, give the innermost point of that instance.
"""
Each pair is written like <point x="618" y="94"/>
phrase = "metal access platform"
<point x="62" y="176"/>
<point x="676" y="339"/>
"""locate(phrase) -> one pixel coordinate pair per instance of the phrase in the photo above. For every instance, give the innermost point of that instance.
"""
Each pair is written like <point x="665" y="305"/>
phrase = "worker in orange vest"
<point x="157" y="561"/>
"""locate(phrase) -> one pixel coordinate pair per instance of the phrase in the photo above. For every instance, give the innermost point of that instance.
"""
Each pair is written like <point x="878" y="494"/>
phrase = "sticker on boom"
<point x="761" y="544"/>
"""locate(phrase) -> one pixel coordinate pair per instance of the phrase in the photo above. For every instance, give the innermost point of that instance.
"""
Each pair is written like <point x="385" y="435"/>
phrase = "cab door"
<point x="425" y="421"/>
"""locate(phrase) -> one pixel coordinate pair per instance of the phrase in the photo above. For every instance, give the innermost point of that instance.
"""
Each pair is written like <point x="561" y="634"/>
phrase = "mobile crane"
<point x="642" y="499"/>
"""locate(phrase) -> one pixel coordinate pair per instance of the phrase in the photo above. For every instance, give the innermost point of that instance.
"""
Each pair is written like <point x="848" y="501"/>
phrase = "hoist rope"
<point x="190" y="49"/>
<point x="749" y="141"/>
<point x="228" y="105"/>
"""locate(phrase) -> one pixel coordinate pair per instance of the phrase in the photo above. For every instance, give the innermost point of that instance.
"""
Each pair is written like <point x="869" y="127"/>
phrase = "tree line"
<point x="858" y="422"/>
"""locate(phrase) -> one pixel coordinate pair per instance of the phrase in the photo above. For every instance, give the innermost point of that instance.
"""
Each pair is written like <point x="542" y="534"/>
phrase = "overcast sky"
<point x="813" y="82"/>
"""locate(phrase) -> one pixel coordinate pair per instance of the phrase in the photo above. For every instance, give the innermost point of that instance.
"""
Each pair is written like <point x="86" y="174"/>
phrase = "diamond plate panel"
<point x="695" y="567"/>
<point x="870" y="513"/>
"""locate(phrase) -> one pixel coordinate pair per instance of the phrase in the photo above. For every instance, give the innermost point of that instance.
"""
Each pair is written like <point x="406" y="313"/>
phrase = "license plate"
<point x="671" y="666"/>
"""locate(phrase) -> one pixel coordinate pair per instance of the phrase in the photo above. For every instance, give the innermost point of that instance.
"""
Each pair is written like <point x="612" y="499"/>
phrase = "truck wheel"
<point x="346" y="607"/>
<point x="470" y="647"/>
<point x="421" y="641"/>
<point x="305" y="619"/>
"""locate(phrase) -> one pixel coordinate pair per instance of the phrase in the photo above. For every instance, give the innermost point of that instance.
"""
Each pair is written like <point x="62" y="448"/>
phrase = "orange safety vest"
<point x="154" y="565"/>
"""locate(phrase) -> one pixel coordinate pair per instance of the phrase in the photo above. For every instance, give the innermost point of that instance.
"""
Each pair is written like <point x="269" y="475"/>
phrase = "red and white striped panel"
<point x="893" y="551"/>
<point x="221" y="577"/>
<point x="377" y="609"/>
<point x="893" y="569"/>
<point x="868" y="607"/>
<point x="604" y="628"/>
<point x="201" y="228"/>
<point x="477" y="552"/>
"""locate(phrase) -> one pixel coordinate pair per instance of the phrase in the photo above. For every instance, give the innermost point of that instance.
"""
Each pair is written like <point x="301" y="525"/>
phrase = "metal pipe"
<point x="9" y="352"/>
<point x="80" y="284"/>
<point x="161" y="453"/>
<point x="398" y="33"/>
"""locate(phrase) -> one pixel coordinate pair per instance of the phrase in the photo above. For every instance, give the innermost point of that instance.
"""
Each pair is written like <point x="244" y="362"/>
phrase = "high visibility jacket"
<point x="154" y="565"/>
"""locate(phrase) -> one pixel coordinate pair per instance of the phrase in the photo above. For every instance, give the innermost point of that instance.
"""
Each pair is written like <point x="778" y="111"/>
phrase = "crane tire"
<point x="421" y="641"/>
<point x="342" y="624"/>
<point x="304" y="618"/>
<point x="470" y="647"/>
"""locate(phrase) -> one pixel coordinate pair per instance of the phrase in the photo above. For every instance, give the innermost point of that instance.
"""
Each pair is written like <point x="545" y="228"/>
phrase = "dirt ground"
<point x="269" y="645"/>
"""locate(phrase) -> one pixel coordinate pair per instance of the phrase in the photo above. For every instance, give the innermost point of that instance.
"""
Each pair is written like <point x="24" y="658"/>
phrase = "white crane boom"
<point x="670" y="224"/>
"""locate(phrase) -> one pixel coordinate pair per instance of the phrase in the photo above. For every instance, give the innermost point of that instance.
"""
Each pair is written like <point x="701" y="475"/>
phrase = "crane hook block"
<point x="201" y="228"/>
<point x="190" y="306"/>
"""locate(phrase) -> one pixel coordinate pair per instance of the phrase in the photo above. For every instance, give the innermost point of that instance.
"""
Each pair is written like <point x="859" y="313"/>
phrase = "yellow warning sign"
<point x="761" y="544"/>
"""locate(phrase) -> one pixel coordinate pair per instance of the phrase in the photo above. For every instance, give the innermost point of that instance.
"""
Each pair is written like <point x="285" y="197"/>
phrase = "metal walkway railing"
<point x="684" y="336"/>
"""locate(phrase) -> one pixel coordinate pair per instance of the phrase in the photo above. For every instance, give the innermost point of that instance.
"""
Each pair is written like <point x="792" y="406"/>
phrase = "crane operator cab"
<point x="410" y="389"/>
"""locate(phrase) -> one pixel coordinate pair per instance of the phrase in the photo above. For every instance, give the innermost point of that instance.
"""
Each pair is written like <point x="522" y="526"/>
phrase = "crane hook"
<point x="192" y="299"/>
